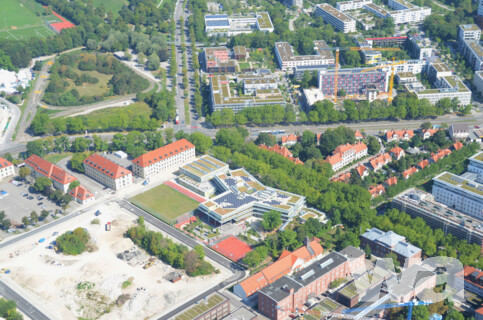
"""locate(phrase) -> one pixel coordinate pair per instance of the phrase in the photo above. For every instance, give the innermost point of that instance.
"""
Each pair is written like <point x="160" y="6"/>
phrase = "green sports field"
<point x="164" y="203"/>
<point x="23" y="19"/>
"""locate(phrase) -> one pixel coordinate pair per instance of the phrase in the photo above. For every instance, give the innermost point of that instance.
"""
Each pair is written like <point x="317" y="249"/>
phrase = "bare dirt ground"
<point x="88" y="285"/>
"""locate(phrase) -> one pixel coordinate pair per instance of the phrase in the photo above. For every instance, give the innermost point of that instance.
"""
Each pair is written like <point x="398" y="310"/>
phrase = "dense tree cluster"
<point x="8" y="310"/>
<point x="270" y="220"/>
<point x="443" y="28"/>
<point x="73" y="242"/>
<point x="176" y="255"/>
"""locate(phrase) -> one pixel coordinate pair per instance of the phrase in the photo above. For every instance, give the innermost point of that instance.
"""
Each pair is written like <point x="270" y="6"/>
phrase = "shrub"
<point x="73" y="242"/>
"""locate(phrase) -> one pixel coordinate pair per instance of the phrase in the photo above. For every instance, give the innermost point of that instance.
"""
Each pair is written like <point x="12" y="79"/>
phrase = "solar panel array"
<point x="272" y="202"/>
<point x="217" y="23"/>
<point x="231" y="200"/>
<point x="230" y="182"/>
<point x="480" y="188"/>
<point x="216" y="16"/>
<point x="457" y="179"/>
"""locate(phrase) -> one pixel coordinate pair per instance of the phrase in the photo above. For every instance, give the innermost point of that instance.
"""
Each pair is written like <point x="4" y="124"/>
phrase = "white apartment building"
<point x="459" y="193"/>
<point x="478" y="81"/>
<point x="250" y="86"/>
<point x="468" y="32"/>
<point x="107" y="172"/>
<point x="294" y="3"/>
<point x="6" y="168"/>
<point x="473" y="52"/>
<point x="165" y="158"/>
<point x="346" y="154"/>
<point x="42" y="168"/>
<point x="415" y="15"/>
<point x="480" y="8"/>
<point x="420" y="46"/>
<point x="413" y="66"/>
<point x="448" y="87"/>
<point x="476" y="166"/>
<point x="351" y="5"/>
<point x="287" y="59"/>
<point x="335" y="18"/>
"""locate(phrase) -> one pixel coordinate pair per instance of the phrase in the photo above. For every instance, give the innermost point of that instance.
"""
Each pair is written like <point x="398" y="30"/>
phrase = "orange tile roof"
<point x="4" y="163"/>
<point x="479" y="310"/>
<point x="283" y="151"/>
<point x="296" y="160"/>
<point x="357" y="134"/>
<point x="447" y="152"/>
<point x="344" y="177"/>
<point x="289" y="138"/>
<point x="400" y="133"/>
<point x="361" y="170"/>
<point x="458" y="145"/>
<point x="423" y="164"/>
<point x="81" y="193"/>
<point x="106" y="166"/>
<point x="336" y="158"/>
<point x="430" y="131"/>
<point x="319" y="135"/>
<point x="162" y="153"/>
<point x="380" y="160"/>
<point x="338" y="153"/>
<point x="409" y="172"/>
<point x="280" y="267"/>
<point x="50" y="170"/>
<point x="391" y="181"/>
<point x="376" y="190"/>
<point x="397" y="151"/>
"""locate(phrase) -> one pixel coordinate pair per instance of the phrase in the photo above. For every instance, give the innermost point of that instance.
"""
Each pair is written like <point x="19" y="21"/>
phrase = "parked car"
<point x="40" y="203"/>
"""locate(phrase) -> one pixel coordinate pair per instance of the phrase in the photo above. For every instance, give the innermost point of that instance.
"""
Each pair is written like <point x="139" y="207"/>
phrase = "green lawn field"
<point x="137" y="108"/>
<point x="164" y="202"/>
<point x="111" y="5"/>
<point x="91" y="89"/>
<point x="56" y="157"/>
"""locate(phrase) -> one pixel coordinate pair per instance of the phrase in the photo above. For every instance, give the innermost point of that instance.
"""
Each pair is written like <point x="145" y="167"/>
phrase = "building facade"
<point x="458" y="131"/>
<point x="473" y="52"/>
<point x="478" y="81"/>
<point x="473" y="280"/>
<point x="107" y="172"/>
<point x="287" y="59"/>
<point x="163" y="159"/>
<point x="42" y="168"/>
<point x="384" y="243"/>
<point x="81" y="195"/>
<point x="6" y="168"/>
<point x="345" y="154"/>
<point x="335" y="18"/>
<point x="222" y="24"/>
<point x="353" y="81"/>
<point x="213" y="306"/>
<point x="468" y="32"/>
<point x="351" y="5"/>
<point x="398" y="135"/>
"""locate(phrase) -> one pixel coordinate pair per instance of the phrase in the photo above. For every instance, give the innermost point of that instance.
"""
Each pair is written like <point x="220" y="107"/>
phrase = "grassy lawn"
<point x="91" y="89"/>
<point x="244" y="65"/>
<point x="18" y="20"/>
<point x="111" y="5"/>
<point x="56" y="157"/>
<point x="136" y="108"/>
<point x="164" y="202"/>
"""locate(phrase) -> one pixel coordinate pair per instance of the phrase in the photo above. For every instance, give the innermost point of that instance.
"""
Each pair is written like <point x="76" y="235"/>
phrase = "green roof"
<point x="201" y="307"/>
<point x="463" y="183"/>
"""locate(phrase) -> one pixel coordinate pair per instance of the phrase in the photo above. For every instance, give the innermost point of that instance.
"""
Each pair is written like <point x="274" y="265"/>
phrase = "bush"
<point x="95" y="221"/>
<point x="73" y="242"/>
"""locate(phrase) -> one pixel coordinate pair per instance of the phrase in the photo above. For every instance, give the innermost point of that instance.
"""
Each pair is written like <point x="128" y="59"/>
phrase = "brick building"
<point x="383" y="243"/>
<point x="107" y="172"/>
<point x="167" y="157"/>
<point x="42" y="168"/>
<point x="6" y="168"/>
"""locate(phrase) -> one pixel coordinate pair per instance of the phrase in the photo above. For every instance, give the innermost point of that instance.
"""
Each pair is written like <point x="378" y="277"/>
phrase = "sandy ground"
<point x="52" y="281"/>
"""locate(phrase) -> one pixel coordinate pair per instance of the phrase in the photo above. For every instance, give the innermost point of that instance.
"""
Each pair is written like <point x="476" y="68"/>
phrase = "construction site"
<point x="114" y="280"/>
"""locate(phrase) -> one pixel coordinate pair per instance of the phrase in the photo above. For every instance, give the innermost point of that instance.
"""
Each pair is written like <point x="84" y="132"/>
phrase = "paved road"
<point x="239" y="273"/>
<point x="14" y="113"/>
<point x="22" y="304"/>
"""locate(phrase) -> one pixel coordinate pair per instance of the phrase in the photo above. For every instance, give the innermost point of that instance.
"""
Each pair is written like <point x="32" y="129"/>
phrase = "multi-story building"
<point x="351" y="5"/>
<point x="383" y="243"/>
<point x="345" y="154"/>
<point x="289" y="140"/>
<point x="446" y="87"/>
<point x="287" y="59"/>
<point x="476" y="166"/>
<point x="287" y="263"/>
<point x="478" y="81"/>
<point x="379" y="161"/>
<point x="461" y="193"/>
<point x="222" y="24"/>
<point x="397" y="153"/>
<point x="163" y="159"/>
<point x="81" y="195"/>
<point x="107" y="172"/>
<point x="6" y="168"/>
<point x="409" y="15"/>
<point x="240" y="52"/>
<point x="420" y="46"/>
<point x="458" y="131"/>
<point x="42" y="168"/>
<point x="250" y="86"/>
<point x="400" y="5"/>
<point x="241" y="196"/>
<point x="473" y="280"/>
<point x="413" y="66"/>
<point x="398" y="135"/>
<point x="418" y="203"/>
<point x="294" y="3"/>
<point x="353" y="81"/>
<point x="384" y="42"/>
<point x="217" y="60"/>
<point x="288" y="294"/>
<point x="467" y="32"/>
<point x="223" y="96"/>
<point x="473" y="52"/>
<point x="213" y="306"/>
<point x="335" y="18"/>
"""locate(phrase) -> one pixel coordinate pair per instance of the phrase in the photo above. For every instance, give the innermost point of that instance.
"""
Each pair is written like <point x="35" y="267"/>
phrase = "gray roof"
<point x="372" y="234"/>
<point x="410" y="279"/>
<point x="319" y="268"/>
<point x="458" y="127"/>
<point x="241" y="313"/>
<point x="406" y="250"/>
<point x="280" y="289"/>
<point x="351" y="252"/>
<point x="390" y="239"/>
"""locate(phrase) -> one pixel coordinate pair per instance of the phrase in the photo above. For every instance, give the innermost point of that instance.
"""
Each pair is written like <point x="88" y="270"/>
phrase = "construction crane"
<point x="391" y="81"/>
<point x="409" y="304"/>
<point x="338" y="49"/>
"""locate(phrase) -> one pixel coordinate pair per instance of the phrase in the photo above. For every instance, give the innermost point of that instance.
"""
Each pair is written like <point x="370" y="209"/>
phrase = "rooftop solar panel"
<point x="217" y="23"/>
<point x="217" y="16"/>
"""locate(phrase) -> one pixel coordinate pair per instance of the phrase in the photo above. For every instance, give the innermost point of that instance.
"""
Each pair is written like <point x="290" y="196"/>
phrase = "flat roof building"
<point x="351" y="5"/>
<point x="334" y="17"/>
<point x="222" y="24"/>
<point x="468" y="32"/>
<point x="420" y="46"/>
<point x="353" y="81"/>
<point x="473" y="52"/>
<point x="107" y="172"/>
<point x="213" y="306"/>
<point x="42" y="168"/>
<point x="287" y="59"/>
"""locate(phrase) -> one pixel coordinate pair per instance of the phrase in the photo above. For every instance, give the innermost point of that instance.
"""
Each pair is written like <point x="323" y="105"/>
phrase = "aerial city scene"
<point x="241" y="159"/>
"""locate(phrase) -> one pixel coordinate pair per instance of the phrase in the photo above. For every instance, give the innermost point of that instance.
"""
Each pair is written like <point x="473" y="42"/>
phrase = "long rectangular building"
<point x="335" y="18"/>
<point x="351" y="5"/>
<point x="107" y="172"/>
<point x="6" y="168"/>
<point x="353" y="81"/>
<point x="165" y="158"/>
<point x="42" y="168"/>
<point x="287" y="59"/>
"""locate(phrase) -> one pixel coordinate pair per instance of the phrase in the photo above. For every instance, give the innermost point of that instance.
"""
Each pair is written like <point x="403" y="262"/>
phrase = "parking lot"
<point x="17" y="206"/>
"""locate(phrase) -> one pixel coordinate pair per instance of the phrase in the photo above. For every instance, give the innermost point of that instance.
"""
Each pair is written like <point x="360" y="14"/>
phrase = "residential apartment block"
<point x="345" y="154"/>
<point x="476" y="166"/>
<point x="418" y="203"/>
<point x="6" y="168"/>
<point x="351" y="5"/>
<point x="382" y="243"/>
<point x="42" y="168"/>
<point x="217" y="60"/>
<point x="222" y="24"/>
<point x="168" y="157"/>
<point x="379" y="161"/>
<point x="468" y="32"/>
<point x="335" y="18"/>
<point x="462" y="193"/>
<point x="107" y="172"/>
<point x="420" y="47"/>
<point x="81" y="195"/>
<point x="353" y="81"/>
<point x="473" y="280"/>
<point x="409" y="15"/>
<point x="478" y="81"/>
<point x="287" y="59"/>
<point x="287" y="263"/>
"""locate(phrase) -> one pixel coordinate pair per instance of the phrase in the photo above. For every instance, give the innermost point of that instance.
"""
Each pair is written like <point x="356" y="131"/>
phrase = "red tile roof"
<point x="409" y="172"/>
<point x="430" y="131"/>
<point x="423" y="164"/>
<point x="344" y="177"/>
<point x="232" y="248"/>
<point x="361" y="170"/>
<point x="106" y="166"/>
<point x="280" y="267"/>
<point x="50" y="170"/>
<point x="391" y="181"/>
<point x="289" y="138"/>
<point x="162" y="153"/>
<point x="380" y="160"/>
<point x="357" y="134"/>
<point x="458" y="145"/>
<point x="81" y="193"/>
<point x="479" y="310"/>
<point x="4" y="163"/>
<point x="339" y="152"/>
<point x="283" y="151"/>
<point x="397" y="151"/>
<point x="399" y="133"/>
<point x="376" y="190"/>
